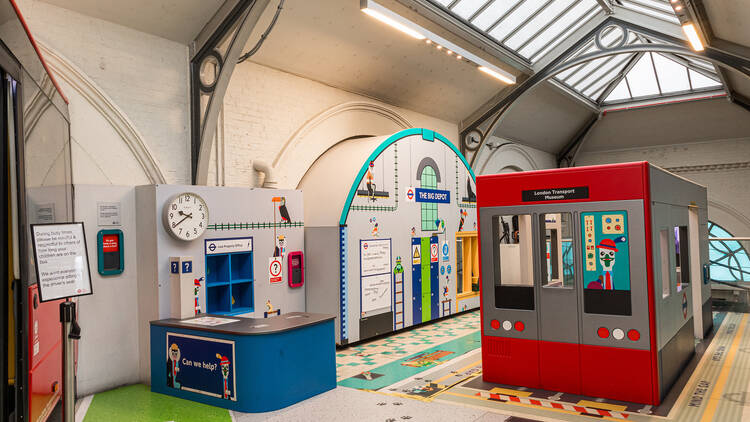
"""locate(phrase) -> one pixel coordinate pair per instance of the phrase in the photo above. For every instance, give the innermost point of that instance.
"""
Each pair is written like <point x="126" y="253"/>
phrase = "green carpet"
<point x="137" y="403"/>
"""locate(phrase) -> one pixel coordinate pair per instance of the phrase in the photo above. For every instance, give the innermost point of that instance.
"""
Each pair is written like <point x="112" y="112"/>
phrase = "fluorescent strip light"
<point x="692" y="35"/>
<point x="412" y="29"/>
<point x="496" y="75"/>
<point x="393" y="23"/>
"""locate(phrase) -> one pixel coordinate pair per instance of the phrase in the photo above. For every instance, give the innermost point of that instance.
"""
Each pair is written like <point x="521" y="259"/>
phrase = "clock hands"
<point x="186" y="216"/>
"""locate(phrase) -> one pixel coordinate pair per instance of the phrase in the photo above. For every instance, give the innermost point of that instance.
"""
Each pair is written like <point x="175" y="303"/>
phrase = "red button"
<point x="617" y="228"/>
<point x="602" y="332"/>
<point x="495" y="324"/>
<point x="519" y="326"/>
<point x="634" y="335"/>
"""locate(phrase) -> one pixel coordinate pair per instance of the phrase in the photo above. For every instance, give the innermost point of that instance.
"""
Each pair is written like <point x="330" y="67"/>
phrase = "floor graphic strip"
<point x="411" y="365"/>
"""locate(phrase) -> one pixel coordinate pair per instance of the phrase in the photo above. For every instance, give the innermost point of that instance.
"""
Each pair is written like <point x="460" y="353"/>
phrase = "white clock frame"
<point x="167" y="222"/>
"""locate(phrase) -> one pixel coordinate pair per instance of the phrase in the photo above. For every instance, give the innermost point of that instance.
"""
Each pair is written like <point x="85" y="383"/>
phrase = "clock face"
<point x="186" y="216"/>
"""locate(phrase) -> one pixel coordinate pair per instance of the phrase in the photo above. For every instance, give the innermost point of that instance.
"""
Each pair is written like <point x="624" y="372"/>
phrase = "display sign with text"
<point x="62" y="263"/>
<point x="202" y="365"/>
<point x="434" y="196"/>
<point x="555" y="194"/>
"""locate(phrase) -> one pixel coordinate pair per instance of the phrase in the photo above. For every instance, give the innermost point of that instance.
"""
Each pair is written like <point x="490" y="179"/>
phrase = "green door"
<point x="426" y="279"/>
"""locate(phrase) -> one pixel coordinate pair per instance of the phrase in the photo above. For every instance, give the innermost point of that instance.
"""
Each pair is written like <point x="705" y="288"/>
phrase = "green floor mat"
<point x="137" y="403"/>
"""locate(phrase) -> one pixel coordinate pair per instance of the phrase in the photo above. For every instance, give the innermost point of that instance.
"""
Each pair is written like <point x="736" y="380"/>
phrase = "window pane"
<point x="672" y="75"/>
<point x="606" y="270"/>
<point x="466" y="8"/>
<point x="682" y="256"/>
<point x="492" y="13"/>
<point x="666" y="279"/>
<point x="513" y="262"/>
<point x="557" y="257"/>
<point x="515" y="19"/>
<point x="536" y="23"/>
<point x="642" y="79"/>
<point x="555" y="30"/>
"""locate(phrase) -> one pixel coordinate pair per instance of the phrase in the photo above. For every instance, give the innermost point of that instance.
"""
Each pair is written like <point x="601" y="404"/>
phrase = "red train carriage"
<point x="591" y="279"/>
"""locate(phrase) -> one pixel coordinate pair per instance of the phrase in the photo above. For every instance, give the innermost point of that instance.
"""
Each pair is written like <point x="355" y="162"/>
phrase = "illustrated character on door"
<point x="607" y="250"/>
<point x="224" y="363"/>
<point x="196" y="292"/>
<point x="173" y="366"/>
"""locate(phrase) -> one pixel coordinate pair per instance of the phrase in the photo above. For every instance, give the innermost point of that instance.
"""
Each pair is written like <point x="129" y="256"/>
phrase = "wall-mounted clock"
<point x="472" y="140"/>
<point x="185" y="216"/>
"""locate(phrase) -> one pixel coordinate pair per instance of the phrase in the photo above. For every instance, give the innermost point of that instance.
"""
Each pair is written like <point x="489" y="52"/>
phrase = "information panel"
<point x="376" y="256"/>
<point x="62" y="263"/>
<point x="202" y="365"/>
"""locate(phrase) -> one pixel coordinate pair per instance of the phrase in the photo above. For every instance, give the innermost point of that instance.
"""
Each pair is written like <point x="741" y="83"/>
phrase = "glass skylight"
<point x="529" y="28"/>
<point x="532" y="28"/>
<point x="636" y="76"/>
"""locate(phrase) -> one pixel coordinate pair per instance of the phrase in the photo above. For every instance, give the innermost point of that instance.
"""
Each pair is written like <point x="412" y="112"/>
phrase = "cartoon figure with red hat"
<point x="196" y="291"/>
<point x="607" y="249"/>
<point x="173" y="366"/>
<point x="224" y="363"/>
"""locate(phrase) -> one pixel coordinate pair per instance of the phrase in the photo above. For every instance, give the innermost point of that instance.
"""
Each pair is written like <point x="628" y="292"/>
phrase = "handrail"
<point x="730" y="284"/>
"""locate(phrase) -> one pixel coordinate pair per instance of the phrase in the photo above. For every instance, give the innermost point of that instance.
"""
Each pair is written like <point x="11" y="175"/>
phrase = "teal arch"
<point x="427" y="135"/>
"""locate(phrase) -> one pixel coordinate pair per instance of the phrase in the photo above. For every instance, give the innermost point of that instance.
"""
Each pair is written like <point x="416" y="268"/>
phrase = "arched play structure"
<point x="390" y="227"/>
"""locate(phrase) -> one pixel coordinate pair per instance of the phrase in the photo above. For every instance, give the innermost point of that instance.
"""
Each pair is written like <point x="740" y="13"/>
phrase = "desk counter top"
<point x="248" y="326"/>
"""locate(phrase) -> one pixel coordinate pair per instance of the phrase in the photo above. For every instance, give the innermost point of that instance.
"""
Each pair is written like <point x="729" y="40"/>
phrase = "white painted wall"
<point x="108" y="349"/>
<point x="723" y="166"/>
<point x="145" y="76"/>
<point x="288" y="120"/>
<point x="509" y="156"/>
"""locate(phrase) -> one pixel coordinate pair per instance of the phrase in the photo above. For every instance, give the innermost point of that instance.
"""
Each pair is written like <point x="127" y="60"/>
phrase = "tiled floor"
<point x="364" y="357"/>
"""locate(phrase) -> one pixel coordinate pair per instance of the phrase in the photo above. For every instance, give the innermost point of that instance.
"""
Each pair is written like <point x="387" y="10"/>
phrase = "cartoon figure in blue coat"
<point x="224" y="363"/>
<point x="173" y="366"/>
<point x="607" y="249"/>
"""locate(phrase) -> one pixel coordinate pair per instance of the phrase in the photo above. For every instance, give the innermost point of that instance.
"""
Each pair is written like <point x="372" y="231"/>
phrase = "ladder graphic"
<point x="398" y="299"/>
<point x="446" y="311"/>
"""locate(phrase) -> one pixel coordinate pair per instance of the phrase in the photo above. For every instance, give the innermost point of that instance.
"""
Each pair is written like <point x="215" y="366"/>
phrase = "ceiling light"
<point x="692" y="35"/>
<point x="439" y="47"/>
<point x="393" y="23"/>
<point x="428" y="41"/>
<point x="448" y="52"/>
<point x="496" y="75"/>
<point x="459" y="57"/>
<point x="678" y="8"/>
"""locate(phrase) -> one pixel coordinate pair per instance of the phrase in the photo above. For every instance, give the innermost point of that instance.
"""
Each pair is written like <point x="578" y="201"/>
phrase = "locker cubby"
<point x="242" y="266"/>
<point x="217" y="269"/>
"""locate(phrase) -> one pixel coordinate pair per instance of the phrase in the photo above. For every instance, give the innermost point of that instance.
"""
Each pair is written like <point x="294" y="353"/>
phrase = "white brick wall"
<point x="264" y="107"/>
<point x="146" y="76"/>
<point x="726" y="186"/>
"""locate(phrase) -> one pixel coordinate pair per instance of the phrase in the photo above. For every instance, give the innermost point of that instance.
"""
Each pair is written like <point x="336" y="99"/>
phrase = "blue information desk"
<point x="248" y="365"/>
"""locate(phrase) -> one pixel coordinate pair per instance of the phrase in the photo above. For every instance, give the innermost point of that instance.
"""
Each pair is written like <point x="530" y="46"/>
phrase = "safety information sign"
<point x="416" y="258"/>
<point x="62" y="264"/>
<point x="274" y="269"/>
<point x="434" y="252"/>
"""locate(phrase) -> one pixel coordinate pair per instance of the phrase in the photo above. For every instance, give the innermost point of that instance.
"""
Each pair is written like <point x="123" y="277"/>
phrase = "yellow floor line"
<point x="471" y="365"/>
<point x="605" y="406"/>
<point x="531" y="406"/>
<point x="718" y="389"/>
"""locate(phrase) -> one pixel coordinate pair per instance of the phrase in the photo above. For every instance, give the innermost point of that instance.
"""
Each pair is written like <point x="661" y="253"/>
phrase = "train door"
<point x="510" y="325"/>
<point x="559" y="363"/>
<point x="616" y="356"/>
<point x="7" y="353"/>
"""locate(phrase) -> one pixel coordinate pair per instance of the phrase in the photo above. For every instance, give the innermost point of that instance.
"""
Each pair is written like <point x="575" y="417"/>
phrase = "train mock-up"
<point x="593" y="279"/>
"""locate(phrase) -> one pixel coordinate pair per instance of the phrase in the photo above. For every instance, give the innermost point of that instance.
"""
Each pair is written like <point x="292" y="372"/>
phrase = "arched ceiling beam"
<point x="211" y="68"/>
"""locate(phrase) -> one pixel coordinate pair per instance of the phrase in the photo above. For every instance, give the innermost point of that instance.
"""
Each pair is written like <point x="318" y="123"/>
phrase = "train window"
<point x="666" y="271"/>
<point x="682" y="257"/>
<point x="557" y="254"/>
<point x="513" y="263"/>
<point x="606" y="269"/>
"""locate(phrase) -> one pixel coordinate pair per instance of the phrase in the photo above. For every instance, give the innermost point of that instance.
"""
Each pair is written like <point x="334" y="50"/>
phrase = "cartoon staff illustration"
<point x="463" y="214"/>
<point x="224" y="363"/>
<point x="173" y="366"/>
<point x="371" y="182"/>
<point x="607" y="249"/>
<point x="196" y="291"/>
